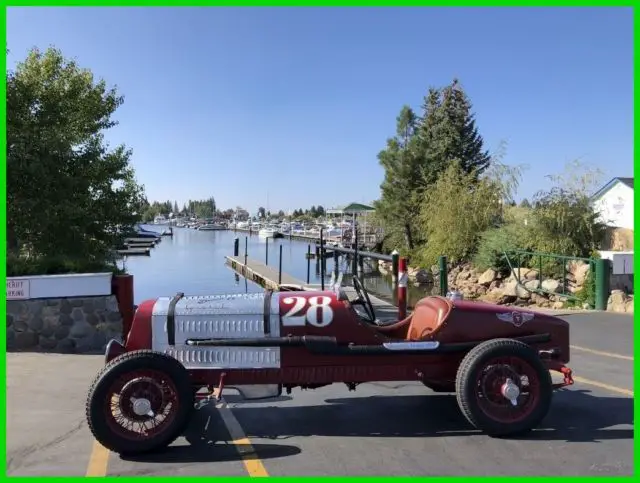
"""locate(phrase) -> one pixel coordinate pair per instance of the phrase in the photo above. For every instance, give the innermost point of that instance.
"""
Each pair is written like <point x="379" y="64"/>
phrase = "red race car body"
<point x="497" y="359"/>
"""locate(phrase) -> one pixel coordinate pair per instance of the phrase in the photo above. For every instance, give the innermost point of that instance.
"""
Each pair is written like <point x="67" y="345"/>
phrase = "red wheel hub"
<point x="141" y="404"/>
<point x="507" y="389"/>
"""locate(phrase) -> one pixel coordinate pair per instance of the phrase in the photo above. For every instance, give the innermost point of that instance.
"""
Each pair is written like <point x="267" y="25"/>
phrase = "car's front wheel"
<point x="139" y="402"/>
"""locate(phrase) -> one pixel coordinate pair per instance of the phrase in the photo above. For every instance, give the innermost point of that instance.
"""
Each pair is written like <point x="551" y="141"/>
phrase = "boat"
<point x="211" y="227"/>
<point x="269" y="232"/>
<point x="141" y="232"/>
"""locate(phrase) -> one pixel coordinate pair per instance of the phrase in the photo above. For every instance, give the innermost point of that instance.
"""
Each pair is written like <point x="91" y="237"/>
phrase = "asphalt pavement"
<point x="380" y="429"/>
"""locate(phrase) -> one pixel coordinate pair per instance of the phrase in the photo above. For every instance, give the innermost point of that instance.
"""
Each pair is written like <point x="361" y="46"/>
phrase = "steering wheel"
<point x="364" y="300"/>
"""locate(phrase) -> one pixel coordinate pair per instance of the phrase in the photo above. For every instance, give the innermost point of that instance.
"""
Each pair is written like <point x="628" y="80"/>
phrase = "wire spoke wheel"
<point x="503" y="388"/>
<point x="507" y="389"/>
<point x="141" y="404"/>
<point x="141" y="401"/>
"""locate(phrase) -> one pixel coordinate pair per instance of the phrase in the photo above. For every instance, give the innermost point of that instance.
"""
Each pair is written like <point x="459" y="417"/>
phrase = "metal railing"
<point x="551" y="264"/>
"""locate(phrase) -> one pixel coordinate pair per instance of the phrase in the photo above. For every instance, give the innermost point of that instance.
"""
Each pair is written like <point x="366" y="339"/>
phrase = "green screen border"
<point x="301" y="3"/>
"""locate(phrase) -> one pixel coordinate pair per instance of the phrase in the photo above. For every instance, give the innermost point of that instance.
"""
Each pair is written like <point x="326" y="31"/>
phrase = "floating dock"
<point x="139" y="244"/>
<point x="142" y="241"/>
<point x="135" y="251"/>
<point x="262" y="274"/>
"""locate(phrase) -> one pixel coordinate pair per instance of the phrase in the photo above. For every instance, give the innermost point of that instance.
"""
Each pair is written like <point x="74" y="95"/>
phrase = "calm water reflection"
<point x="193" y="262"/>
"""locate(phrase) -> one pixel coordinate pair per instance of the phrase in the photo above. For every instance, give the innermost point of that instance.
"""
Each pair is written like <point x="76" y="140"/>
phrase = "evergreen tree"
<point x="397" y="204"/>
<point x="448" y="133"/>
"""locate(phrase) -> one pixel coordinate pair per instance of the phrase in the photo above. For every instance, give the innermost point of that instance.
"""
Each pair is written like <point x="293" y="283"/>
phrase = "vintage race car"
<point x="498" y="360"/>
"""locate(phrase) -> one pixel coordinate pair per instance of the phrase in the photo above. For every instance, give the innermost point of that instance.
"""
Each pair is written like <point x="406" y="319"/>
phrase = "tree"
<point x="262" y="212"/>
<point x="464" y="207"/>
<point x="281" y="214"/>
<point x="564" y="220"/>
<point x="69" y="196"/>
<point x="525" y="203"/>
<point x="397" y="205"/>
<point x="448" y="133"/>
<point x="421" y="151"/>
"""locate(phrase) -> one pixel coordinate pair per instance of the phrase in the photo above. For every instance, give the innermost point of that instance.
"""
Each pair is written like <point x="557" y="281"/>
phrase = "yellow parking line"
<point x="619" y="390"/>
<point x="98" y="460"/>
<point x="252" y="463"/>
<point x="601" y="353"/>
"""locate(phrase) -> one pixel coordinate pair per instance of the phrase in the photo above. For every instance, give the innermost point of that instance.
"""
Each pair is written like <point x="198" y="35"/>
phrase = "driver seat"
<point x="427" y="318"/>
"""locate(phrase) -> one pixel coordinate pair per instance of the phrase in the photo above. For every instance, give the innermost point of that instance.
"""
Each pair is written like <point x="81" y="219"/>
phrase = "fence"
<point x="555" y="266"/>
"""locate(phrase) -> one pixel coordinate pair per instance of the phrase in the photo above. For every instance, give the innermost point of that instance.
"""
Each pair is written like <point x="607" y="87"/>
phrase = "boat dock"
<point x="129" y="251"/>
<point x="262" y="274"/>
<point x="306" y="236"/>
<point x="274" y="279"/>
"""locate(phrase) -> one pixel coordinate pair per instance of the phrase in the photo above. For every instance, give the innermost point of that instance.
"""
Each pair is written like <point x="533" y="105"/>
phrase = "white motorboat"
<point x="269" y="232"/>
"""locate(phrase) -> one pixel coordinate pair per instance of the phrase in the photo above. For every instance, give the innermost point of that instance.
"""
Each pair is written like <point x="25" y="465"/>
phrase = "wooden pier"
<point x="268" y="277"/>
<point x="135" y="251"/>
<point x="141" y="241"/>
<point x="262" y="274"/>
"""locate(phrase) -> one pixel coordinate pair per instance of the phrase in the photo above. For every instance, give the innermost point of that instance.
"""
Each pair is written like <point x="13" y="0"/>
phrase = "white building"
<point x="614" y="203"/>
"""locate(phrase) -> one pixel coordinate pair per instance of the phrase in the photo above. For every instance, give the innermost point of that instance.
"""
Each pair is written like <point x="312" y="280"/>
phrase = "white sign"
<point x="622" y="263"/>
<point x="17" y="289"/>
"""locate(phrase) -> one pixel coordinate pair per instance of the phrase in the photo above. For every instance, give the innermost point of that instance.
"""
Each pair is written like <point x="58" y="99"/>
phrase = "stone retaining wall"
<point x="67" y="325"/>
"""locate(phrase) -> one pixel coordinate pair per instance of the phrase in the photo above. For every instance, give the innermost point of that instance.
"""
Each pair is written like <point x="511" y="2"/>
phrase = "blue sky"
<point x="291" y="106"/>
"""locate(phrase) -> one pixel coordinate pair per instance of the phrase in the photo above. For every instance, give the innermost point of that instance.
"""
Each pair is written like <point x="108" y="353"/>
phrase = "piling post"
<point x="395" y="258"/>
<point x="246" y="248"/>
<point x="266" y="251"/>
<point x="236" y="246"/>
<point x="336" y="262"/>
<point x="402" y="288"/>
<point x="603" y="285"/>
<point x="444" y="281"/>
<point x="280" y="267"/>
<point x="308" y="262"/>
<point x="322" y="260"/>
<point x="354" y="263"/>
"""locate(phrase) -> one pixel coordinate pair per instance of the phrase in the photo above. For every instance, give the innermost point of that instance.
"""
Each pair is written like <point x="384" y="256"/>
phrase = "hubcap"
<point x="507" y="389"/>
<point x="510" y="391"/>
<point x="141" y="406"/>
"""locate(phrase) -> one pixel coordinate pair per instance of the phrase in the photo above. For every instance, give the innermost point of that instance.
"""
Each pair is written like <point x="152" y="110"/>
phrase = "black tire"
<point x="98" y="415"/>
<point x="470" y="371"/>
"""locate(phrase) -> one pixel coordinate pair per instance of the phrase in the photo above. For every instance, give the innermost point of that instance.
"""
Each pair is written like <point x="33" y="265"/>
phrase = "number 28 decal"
<point x="315" y="311"/>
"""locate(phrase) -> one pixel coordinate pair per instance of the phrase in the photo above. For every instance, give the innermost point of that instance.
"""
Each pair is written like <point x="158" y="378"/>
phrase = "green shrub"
<point x="495" y="241"/>
<point x="20" y="266"/>
<point x="587" y="294"/>
<point x="453" y="214"/>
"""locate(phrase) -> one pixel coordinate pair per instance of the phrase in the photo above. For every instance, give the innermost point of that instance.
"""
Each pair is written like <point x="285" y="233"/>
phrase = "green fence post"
<point x="540" y="272"/>
<point x="444" y="282"/>
<point x="603" y="286"/>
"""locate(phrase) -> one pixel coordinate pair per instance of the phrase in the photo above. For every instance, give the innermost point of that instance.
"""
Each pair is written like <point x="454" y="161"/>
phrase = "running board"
<point x="325" y="345"/>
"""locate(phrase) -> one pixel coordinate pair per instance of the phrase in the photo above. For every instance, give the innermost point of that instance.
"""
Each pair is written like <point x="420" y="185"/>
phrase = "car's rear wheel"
<point x="141" y="401"/>
<point x="503" y="388"/>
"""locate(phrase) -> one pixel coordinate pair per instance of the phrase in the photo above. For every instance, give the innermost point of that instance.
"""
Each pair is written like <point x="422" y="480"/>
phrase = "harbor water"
<point x="193" y="262"/>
